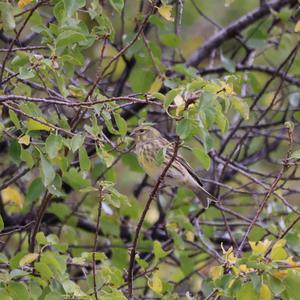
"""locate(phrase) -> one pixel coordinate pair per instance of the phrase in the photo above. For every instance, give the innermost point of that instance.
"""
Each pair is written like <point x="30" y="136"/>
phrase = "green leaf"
<point x="159" y="252"/>
<point x="7" y="16"/>
<point x="33" y="125"/>
<point x="247" y="292"/>
<point x="117" y="5"/>
<point x="47" y="171"/>
<point x="265" y="292"/>
<point x="84" y="161"/>
<point x="61" y="210"/>
<point x="69" y="37"/>
<point x="72" y="288"/>
<point x="41" y="239"/>
<point x="170" y="40"/>
<point x="53" y="145"/>
<point x="26" y="155"/>
<point x="99" y="256"/>
<point x="241" y="106"/>
<point x="28" y="259"/>
<point x="276" y="285"/>
<point x="14" y="118"/>
<point x="76" y="142"/>
<point x="14" y="151"/>
<point x="18" y="291"/>
<point x="202" y="156"/>
<point x="55" y="261"/>
<point x="143" y="263"/>
<point x="184" y="128"/>
<point x="26" y="72"/>
<point x="221" y="121"/>
<point x="44" y="270"/>
<point x="72" y="6"/>
<point x="35" y="190"/>
<point x="114" y="201"/>
<point x="121" y="123"/>
<point x="169" y="98"/>
<point x="1" y="223"/>
<point x="155" y="283"/>
<point x="296" y="154"/>
<point x="278" y="253"/>
<point x="160" y="155"/>
<point x="21" y="58"/>
<point x="138" y="85"/>
<point x="4" y="293"/>
<point x="292" y="284"/>
<point x="75" y="179"/>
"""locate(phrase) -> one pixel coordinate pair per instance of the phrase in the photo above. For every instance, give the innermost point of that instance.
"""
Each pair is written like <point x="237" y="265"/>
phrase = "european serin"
<point x="148" y="143"/>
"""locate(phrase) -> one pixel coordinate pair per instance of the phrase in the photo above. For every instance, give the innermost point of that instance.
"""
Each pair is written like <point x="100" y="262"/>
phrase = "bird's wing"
<point x="187" y="166"/>
<point x="181" y="161"/>
<point x="190" y="170"/>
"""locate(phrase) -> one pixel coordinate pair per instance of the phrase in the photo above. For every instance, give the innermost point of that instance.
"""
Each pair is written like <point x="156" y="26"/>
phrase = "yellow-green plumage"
<point x="148" y="143"/>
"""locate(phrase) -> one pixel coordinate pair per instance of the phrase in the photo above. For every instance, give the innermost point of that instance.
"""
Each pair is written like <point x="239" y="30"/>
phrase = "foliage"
<point x="77" y="219"/>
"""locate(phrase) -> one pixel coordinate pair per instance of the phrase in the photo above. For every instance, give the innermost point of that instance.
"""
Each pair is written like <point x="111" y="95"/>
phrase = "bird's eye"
<point x="142" y="130"/>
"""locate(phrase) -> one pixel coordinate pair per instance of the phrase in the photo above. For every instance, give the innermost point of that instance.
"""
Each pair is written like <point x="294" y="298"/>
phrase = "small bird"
<point x="148" y="143"/>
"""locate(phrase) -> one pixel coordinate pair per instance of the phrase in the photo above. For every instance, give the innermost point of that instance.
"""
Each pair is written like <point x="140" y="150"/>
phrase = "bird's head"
<point x="145" y="133"/>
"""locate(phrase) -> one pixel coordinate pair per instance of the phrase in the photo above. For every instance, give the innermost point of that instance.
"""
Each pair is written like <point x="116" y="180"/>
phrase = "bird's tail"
<point x="204" y="196"/>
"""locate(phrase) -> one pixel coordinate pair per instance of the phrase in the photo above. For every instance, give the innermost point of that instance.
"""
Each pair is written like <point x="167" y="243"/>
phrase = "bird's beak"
<point x="132" y="134"/>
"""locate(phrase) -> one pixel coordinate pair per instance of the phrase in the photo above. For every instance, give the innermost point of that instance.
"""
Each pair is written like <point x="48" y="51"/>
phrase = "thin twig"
<point x="142" y="218"/>
<point x="95" y="241"/>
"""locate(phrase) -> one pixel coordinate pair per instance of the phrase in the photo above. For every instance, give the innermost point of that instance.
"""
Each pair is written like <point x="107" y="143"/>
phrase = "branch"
<point x="141" y="221"/>
<point x="258" y="68"/>
<point x="95" y="242"/>
<point x="234" y="28"/>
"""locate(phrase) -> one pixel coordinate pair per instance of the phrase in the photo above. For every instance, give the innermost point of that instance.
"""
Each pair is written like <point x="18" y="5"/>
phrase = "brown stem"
<point x="95" y="241"/>
<point x="142" y="218"/>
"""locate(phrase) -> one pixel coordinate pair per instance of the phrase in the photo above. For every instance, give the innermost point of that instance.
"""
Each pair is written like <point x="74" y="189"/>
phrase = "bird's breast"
<point x="146" y="157"/>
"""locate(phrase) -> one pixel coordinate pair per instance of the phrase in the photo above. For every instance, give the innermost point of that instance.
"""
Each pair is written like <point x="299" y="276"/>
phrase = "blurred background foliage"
<point x="76" y="77"/>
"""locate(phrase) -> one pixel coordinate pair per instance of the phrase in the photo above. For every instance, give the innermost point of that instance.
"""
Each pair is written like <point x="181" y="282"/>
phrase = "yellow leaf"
<point x="278" y="253"/>
<point x="243" y="268"/>
<point x="280" y="243"/>
<point x="260" y="247"/>
<point x="35" y="125"/>
<point x="25" y="140"/>
<point x="156" y="85"/>
<point x="290" y="262"/>
<point x="297" y="27"/>
<point x="12" y="195"/>
<point x="227" y="87"/>
<point x="189" y="235"/>
<point x="76" y="91"/>
<point x="179" y="101"/>
<point x="280" y="274"/>
<point x="216" y="272"/>
<point x="165" y="11"/>
<point x="23" y="3"/>
<point x="155" y="283"/>
<point x="172" y="226"/>
<point x="265" y="293"/>
<point x="28" y="259"/>
<point x="180" y="104"/>
<point x="231" y="282"/>
<point x="229" y="255"/>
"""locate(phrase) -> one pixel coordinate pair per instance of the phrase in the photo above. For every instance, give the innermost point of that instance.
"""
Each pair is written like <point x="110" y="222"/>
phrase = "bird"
<point x="148" y="143"/>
